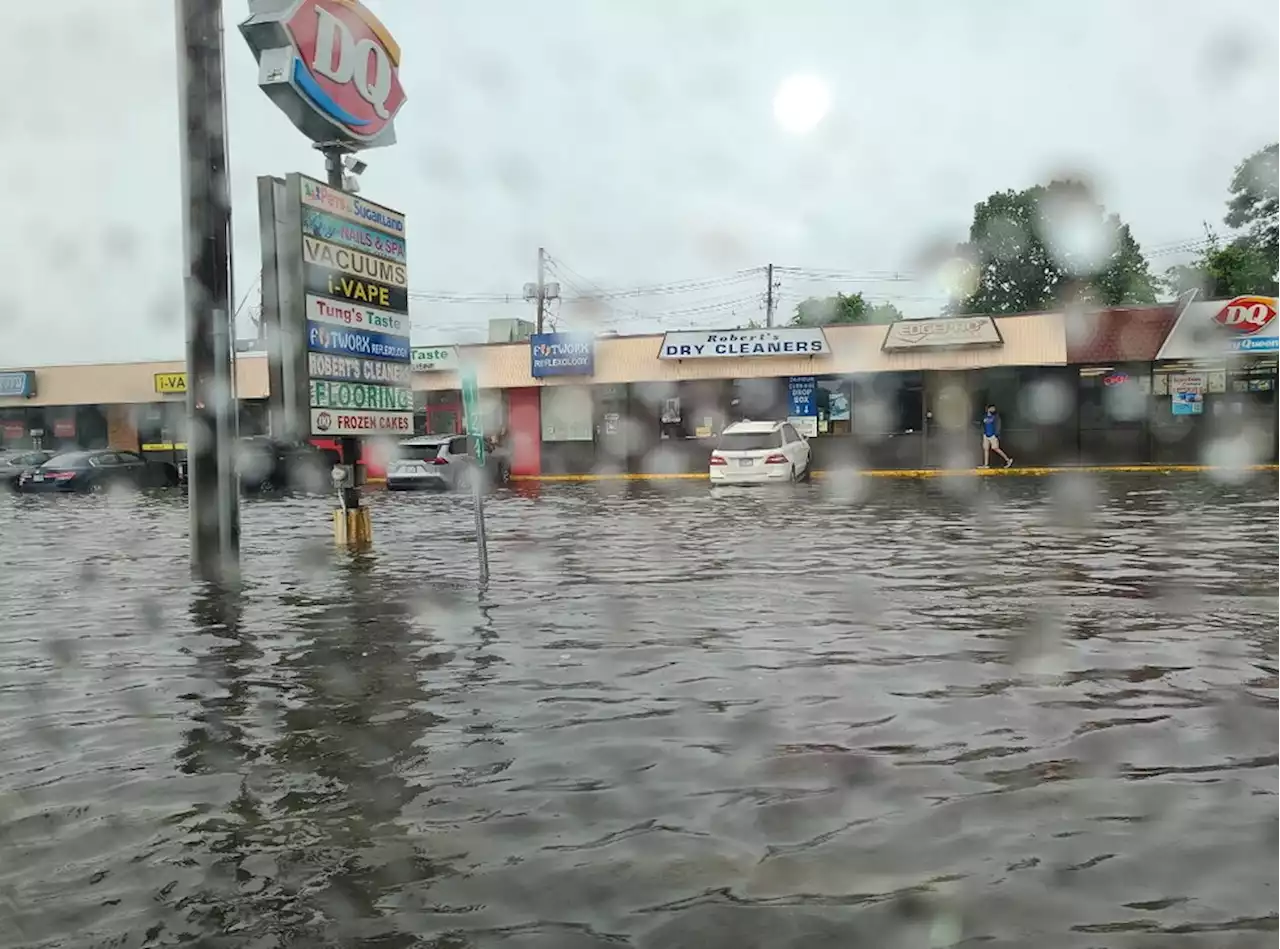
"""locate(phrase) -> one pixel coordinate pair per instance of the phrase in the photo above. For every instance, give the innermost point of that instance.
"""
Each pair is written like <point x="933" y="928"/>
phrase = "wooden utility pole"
<point x="542" y="285"/>
<point x="768" y="296"/>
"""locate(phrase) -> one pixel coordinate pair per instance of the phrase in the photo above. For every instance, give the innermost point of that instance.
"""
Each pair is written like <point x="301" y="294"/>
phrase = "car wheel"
<point x="97" y="487"/>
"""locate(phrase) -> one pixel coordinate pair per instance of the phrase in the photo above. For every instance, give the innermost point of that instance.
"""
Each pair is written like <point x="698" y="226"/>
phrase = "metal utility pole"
<point x="213" y="493"/>
<point x="541" y="291"/>
<point x="349" y="444"/>
<point x="542" y="285"/>
<point x="768" y="296"/>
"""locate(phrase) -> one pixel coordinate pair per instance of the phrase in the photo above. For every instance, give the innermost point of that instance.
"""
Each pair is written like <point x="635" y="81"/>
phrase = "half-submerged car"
<point x="760" y="452"/>
<point x="442" y="463"/>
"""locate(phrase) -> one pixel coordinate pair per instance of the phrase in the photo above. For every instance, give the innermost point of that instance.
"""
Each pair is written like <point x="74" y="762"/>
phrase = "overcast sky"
<point x="637" y="142"/>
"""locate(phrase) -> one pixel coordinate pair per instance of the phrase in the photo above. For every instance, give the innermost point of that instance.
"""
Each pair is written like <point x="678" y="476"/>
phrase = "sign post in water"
<point x="475" y="433"/>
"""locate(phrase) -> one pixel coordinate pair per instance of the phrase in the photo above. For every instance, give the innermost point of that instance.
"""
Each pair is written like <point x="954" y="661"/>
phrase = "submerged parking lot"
<point x="998" y="712"/>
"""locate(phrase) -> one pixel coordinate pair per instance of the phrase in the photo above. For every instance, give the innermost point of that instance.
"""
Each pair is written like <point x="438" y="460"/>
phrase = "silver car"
<point x="443" y="462"/>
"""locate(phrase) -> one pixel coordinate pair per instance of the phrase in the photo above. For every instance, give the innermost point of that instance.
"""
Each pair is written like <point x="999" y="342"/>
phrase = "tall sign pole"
<point x="338" y="262"/>
<point x="214" y="500"/>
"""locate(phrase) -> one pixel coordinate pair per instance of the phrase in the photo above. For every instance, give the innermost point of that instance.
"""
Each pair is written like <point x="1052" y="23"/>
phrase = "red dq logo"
<point x="348" y="65"/>
<point x="1246" y="315"/>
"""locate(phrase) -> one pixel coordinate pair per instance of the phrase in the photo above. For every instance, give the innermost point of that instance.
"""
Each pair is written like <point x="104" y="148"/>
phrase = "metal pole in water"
<point x="482" y="542"/>
<point x="213" y="493"/>
<point x="349" y="444"/>
<point x="475" y="435"/>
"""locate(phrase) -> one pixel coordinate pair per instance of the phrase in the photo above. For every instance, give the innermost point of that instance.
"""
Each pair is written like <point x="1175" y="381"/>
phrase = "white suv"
<point x="755" y="452"/>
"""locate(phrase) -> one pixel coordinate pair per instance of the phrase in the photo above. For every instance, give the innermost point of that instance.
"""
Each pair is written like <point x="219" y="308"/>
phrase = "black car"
<point x="267" y="464"/>
<point x="14" y="462"/>
<point x="83" y="472"/>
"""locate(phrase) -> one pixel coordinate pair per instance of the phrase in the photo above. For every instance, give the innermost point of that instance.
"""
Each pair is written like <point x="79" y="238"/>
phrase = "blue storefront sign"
<point x="328" y="339"/>
<point x="17" y="385"/>
<point x="802" y="405"/>
<point x="562" y="354"/>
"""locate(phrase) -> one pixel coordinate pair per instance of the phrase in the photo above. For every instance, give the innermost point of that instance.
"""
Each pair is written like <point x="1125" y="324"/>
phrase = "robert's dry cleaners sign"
<point x="561" y="354"/>
<point x="724" y="344"/>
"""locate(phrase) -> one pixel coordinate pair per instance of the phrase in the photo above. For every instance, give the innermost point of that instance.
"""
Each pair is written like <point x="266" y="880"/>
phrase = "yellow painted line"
<point x="619" y="476"/>
<point x="918" y="473"/>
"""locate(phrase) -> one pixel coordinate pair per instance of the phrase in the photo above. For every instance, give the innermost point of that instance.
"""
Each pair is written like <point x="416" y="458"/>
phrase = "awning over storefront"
<point x="1122" y="334"/>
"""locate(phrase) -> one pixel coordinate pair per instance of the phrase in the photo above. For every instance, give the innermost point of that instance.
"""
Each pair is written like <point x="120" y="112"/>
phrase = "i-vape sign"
<point x="331" y="66"/>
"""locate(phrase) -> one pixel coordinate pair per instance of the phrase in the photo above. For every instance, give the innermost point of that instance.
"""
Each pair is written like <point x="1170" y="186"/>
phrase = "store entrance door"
<point x="952" y="441"/>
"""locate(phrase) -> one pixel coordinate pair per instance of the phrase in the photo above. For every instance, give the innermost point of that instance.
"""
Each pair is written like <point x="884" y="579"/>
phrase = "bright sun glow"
<point x="800" y="103"/>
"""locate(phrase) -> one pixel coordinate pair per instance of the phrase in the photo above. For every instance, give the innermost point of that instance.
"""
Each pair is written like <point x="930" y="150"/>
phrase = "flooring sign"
<point x="355" y="282"/>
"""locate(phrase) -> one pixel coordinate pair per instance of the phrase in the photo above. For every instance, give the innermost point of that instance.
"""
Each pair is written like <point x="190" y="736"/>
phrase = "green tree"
<point x="843" y="308"/>
<point x="1254" y="206"/>
<point x="1249" y="261"/>
<point x="1226" y="270"/>
<point x="1038" y="248"/>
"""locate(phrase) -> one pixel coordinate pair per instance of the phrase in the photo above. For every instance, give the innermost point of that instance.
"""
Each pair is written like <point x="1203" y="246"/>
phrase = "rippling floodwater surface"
<point x="897" y="714"/>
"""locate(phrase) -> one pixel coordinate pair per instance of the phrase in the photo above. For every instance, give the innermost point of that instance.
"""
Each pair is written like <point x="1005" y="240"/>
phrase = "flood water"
<point x="1011" y="712"/>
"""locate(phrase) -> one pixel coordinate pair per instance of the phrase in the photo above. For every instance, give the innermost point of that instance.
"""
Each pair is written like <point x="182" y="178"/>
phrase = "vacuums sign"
<point x="331" y="67"/>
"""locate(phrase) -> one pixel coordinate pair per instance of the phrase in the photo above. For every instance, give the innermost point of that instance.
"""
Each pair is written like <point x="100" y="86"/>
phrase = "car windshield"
<point x="749" y="441"/>
<point x="72" y="459"/>
<point x="417" y="452"/>
<point x="20" y="458"/>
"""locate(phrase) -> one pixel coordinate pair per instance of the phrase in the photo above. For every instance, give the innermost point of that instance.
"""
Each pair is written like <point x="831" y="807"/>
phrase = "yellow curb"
<point x="918" y="473"/>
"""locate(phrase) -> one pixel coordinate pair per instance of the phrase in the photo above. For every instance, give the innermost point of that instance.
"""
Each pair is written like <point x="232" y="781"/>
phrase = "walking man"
<point x="991" y="438"/>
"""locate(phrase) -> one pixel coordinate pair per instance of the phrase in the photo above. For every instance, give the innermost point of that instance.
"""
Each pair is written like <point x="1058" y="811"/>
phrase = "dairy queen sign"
<point x="331" y="66"/>
<point x="1239" y="326"/>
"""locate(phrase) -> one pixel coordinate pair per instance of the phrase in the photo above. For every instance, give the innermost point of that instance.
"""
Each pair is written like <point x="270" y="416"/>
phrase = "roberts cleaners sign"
<point x="331" y="66"/>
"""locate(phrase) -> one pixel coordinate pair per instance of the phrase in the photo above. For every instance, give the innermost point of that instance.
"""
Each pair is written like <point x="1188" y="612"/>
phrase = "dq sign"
<point x="331" y="66"/>
<point x="1246" y="315"/>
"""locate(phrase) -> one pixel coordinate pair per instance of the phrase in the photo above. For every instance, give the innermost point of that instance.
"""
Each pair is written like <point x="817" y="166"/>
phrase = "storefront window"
<point x="443" y="413"/>
<point x="758" y="399"/>
<point x="689" y="409"/>
<point x="704" y="405"/>
<point x="254" y="418"/>
<point x="568" y="414"/>
<point x="887" y="403"/>
<point x="13" y="429"/>
<point x="1255" y="378"/>
<point x="162" y="426"/>
<point x="835" y="416"/>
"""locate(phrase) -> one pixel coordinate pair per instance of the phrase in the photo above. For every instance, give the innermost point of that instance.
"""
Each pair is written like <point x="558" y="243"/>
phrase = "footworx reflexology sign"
<point x="356" y="314"/>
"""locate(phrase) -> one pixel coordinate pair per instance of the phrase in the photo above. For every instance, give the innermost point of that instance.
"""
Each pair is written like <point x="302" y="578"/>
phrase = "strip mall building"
<point x="1160" y="385"/>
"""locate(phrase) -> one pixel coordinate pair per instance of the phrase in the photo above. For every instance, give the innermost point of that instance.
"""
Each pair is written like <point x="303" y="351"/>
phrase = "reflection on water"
<point x="998" y="713"/>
